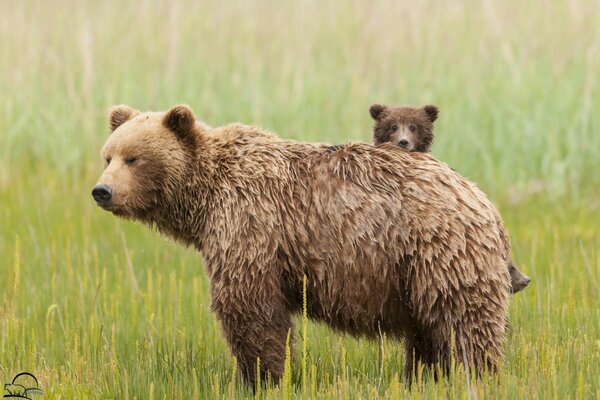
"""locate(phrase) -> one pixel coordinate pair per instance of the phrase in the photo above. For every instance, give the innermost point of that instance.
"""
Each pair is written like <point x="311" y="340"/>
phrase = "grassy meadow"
<point x="99" y="308"/>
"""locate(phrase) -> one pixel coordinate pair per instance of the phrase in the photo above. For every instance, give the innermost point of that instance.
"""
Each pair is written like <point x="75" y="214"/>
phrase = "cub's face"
<point x="410" y="128"/>
<point x="144" y="157"/>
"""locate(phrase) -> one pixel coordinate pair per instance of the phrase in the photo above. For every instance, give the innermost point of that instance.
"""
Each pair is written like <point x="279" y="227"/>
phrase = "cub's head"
<point x="409" y="127"/>
<point x="146" y="157"/>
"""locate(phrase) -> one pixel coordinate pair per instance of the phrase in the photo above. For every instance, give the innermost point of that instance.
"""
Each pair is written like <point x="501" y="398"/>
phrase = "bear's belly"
<point x="360" y="312"/>
<point x="365" y="299"/>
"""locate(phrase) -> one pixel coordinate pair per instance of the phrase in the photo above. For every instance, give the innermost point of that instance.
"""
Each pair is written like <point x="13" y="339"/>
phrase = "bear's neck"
<point x="225" y="167"/>
<point x="182" y="213"/>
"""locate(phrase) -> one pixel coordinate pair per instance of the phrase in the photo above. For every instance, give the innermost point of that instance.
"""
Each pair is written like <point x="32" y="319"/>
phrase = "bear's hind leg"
<point x="424" y="353"/>
<point x="413" y="356"/>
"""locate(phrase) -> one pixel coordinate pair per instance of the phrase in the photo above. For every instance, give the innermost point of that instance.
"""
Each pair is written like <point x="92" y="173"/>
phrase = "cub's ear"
<point x="432" y="112"/>
<point x="376" y="110"/>
<point x="118" y="115"/>
<point x="180" y="119"/>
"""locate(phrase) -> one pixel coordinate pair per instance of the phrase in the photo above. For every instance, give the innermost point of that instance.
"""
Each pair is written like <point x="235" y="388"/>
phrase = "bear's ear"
<point x="432" y="112"/>
<point x="376" y="110"/>
<point x="118" y="115"/>
<point x="180" y="119"/>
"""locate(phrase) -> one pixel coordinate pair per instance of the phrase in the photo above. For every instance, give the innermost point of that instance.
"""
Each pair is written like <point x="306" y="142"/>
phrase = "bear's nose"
<point x="102" y="193"/>
<point x="403" y="143"/>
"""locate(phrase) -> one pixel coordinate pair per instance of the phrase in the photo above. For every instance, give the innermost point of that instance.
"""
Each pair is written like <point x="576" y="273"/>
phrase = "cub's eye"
<point x="413" y="128"/>
<point x="107" y="160"/>
<point x="394" y="128"/>
<point x="130" y="160"/>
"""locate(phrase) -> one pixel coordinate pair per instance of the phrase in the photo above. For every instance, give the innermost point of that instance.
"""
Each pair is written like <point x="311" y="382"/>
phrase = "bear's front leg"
<point x="255" y="323"/>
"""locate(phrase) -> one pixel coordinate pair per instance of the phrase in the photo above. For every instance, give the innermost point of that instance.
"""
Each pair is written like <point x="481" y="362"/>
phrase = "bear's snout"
<point x="521" y="284"/>
<point x="102" y="193"/>
<point x="403" y="143"/>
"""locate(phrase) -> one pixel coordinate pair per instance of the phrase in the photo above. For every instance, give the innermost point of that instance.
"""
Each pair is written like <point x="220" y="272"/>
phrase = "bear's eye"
<point x="413" y="128"/>
<point x="107" y="160"/>
<point x="130" y="160"/>
<point x="394" y="128"/>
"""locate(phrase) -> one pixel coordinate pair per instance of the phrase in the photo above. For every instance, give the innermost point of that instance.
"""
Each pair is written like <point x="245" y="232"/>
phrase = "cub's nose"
<point x="102" y="193"/>
<point x="403" y="143"/>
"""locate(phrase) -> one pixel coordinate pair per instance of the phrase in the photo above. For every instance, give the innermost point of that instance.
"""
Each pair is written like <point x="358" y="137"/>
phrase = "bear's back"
<point x="355" y="219"/>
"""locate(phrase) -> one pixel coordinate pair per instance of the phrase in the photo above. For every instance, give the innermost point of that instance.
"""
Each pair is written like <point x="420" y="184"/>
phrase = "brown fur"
<point x="388" y="240"/>
<point x="394" y="122"/>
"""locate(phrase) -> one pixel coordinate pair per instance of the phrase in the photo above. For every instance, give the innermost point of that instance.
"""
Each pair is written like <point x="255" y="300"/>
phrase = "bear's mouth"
<point x="118" y="210"/>
<point x="111" y="205"/>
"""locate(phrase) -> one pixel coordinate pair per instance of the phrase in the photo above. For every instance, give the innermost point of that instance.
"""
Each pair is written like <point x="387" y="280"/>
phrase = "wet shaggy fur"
<point x="415" y="125"/>
<point x="390" y="241"/>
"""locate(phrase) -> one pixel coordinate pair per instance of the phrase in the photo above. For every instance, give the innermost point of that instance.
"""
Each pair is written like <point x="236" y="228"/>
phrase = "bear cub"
<point x="411" y="128"/>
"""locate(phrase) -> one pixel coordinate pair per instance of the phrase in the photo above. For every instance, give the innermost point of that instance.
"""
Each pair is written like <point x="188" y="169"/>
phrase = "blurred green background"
<point x="101" y="308"/>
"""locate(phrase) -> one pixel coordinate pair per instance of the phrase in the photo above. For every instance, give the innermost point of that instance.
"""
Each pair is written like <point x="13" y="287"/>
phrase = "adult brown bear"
<point x="389" y="240"/>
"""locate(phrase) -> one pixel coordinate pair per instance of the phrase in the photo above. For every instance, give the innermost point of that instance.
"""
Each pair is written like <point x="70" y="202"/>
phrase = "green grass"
<point x="100" y="308"/>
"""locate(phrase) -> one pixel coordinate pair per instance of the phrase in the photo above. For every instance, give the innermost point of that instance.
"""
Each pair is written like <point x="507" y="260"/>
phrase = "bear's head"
<point x="409" y="127"/>
<point x="146" y="158"/>
<point x="519" y="280"/>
